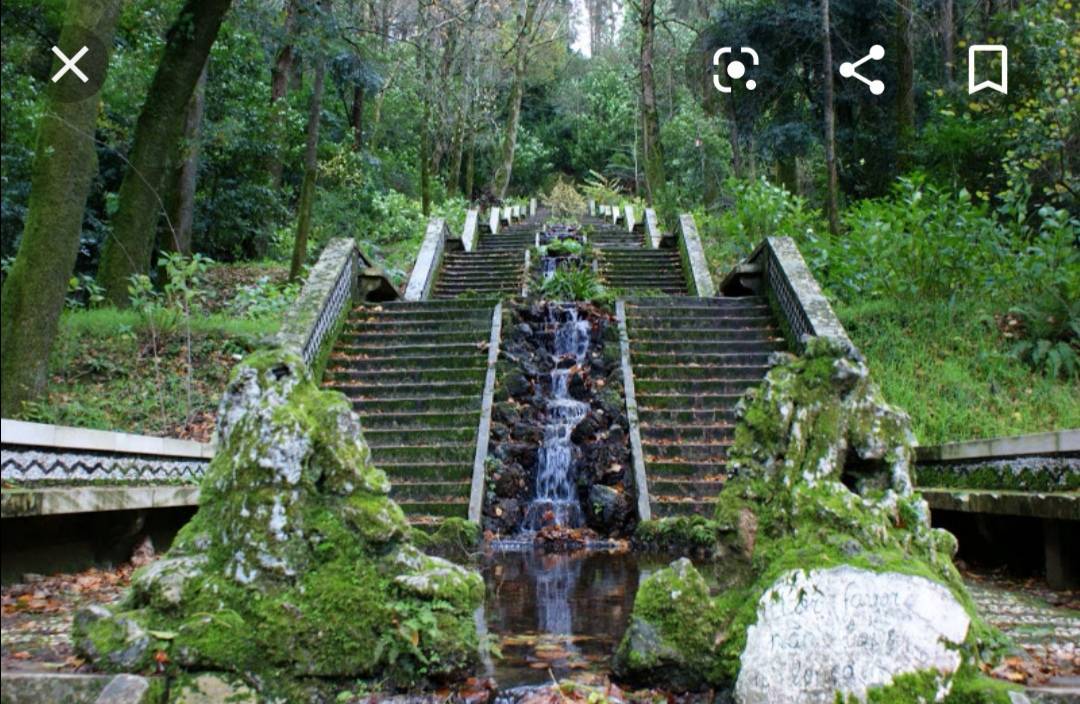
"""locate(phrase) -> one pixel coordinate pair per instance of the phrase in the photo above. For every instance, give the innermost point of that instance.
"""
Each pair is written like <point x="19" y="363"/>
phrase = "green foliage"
<point x="264" y="298"/>
<point x="563" y="248"/>
<point x="574" y="284"/>
<point x="602" y="189"/>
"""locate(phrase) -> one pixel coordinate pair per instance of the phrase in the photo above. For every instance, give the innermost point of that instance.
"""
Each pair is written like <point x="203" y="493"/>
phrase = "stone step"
<point x="693" y="303"/>
<point x="393" y="391"/>
<point x="695" y="387"/>
<point x="686" y="432"/>
<point x="471" y="359"/>
<point x="697" y="488"/>
<point x="492" y="295"/>
<point x="700" y="371"/>
<point x="421" y="422"/>
<point x="716" y="318"/>
<point x="418" y="306"/>
<point x="427" y="491"/>
<point x="427" y="471"/>
<point x="446" y="507"/>
<point x="479" y="323"/>
<point x="685" y="468"/>
<point x="450" y="279"/>
<point x="692" y="416"/>
<point x="706" y="332"/>
<point x="677" y="400"/>
<point x="400" y="351"/>
<point x="420" y="404"/>
<point x="448" y="452"/>
<point x="407" y="376"/>
<point x="683" y="450"/>
<point x="669" y="346"/>
<point x="662" y="358"/>
<point x="664" y="509"/>
<point x="407" y="338"/>
<point x="421" y="436"/>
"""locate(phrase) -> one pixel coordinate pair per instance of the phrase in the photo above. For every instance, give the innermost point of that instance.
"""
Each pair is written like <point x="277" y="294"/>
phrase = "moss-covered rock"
<point x="822" y="480"/>
<point x="297" y="563"/>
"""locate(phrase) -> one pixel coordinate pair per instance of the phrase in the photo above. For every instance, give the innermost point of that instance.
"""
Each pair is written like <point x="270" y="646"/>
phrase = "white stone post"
<point x="468" y="234"/>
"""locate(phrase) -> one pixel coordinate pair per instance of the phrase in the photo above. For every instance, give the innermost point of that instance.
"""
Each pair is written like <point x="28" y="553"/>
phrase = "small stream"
<point x="556" y="498"/>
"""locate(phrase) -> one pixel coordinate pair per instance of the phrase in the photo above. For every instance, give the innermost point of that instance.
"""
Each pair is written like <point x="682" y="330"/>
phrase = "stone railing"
<point x="652" y="228"/>
<point x="470" y="232"/>
<point x="698" y="279"/>
<point x="637" y="454"/>
<point x="428" y="261"/>
<point x="341" y="277"/>
<point x="479" y="473"/>
<point x="792" y="290"/>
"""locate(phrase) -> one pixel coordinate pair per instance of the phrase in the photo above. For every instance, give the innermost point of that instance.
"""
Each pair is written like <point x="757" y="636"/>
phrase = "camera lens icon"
<point x="735" y="68"/>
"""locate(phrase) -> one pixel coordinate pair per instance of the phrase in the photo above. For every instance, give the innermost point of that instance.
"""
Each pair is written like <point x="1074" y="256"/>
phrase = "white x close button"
<point x="70" y="64"/>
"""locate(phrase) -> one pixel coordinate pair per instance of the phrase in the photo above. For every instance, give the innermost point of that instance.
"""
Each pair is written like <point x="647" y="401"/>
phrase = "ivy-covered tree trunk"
<point x="279" y="88"/>
<point x="948" y="39"/>
<point x="650" y="120"/>
<point x="832" y="206"/>
<point x="65" y="163"/>
<point x="356" y="118"/>
<point x="129" y="248"/>
<point x="500" y="182"/>
<point x="470" y="161"/>
<point x="180" y="203"/>
<point x="311" y="172"/>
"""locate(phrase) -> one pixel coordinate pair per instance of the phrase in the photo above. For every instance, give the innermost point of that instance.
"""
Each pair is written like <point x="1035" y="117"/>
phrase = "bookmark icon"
<point x="1002" y="85"/>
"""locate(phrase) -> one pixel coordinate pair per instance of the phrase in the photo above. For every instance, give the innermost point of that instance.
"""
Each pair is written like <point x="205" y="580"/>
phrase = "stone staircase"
<point x="693" y="359"/>
<point x="415" y="375"/>
<point x="628" y="263"/>
<point x="494" y="270"/>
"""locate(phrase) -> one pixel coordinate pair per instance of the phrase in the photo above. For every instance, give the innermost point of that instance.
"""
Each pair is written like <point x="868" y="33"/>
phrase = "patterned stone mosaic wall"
<point x="35" y="465"/>
<point x="1031" y="473"/>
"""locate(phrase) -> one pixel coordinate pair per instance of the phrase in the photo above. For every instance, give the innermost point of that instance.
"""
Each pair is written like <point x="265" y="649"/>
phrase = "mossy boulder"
<point x="822" y="482"/>
<point x="297" y="564"/>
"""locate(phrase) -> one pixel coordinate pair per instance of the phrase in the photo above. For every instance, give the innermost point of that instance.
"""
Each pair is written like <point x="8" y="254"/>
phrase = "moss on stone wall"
<point x="297" y="563"/>
<point x="821" y="479"/>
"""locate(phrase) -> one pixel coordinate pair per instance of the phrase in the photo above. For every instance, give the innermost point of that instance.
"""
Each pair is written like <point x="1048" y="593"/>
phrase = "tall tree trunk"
<point x="905" y="85"/>
<point x="500" y="182"/>
<point x="180" y="196"/>
<point x="356" y="118"/>
<point x="65" y="163"/>
<point x="470" y="161"/>
<point x="948" y="40"/>
<point x="457" y="152"/>
<point x="279" y="88"/>
<point x="652" y="152"/>
<point x="311" y="173"/>
<point x="129" y="248"/>
<point x="832" y="198"/>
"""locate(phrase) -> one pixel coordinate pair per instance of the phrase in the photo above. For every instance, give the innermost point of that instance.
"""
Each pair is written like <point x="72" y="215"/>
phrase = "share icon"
<point x="847" y="69"/>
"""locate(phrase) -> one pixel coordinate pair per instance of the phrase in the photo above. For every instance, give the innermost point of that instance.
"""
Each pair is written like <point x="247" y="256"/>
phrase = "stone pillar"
<point x="1060" y="538"/>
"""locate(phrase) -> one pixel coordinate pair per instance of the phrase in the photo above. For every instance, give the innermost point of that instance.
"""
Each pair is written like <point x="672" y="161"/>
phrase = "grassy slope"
<point x="109" y="370"/>
<point x="949" y="369"/>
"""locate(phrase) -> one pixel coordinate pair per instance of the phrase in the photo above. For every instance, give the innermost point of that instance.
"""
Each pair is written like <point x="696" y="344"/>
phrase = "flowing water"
<point x="555" y="499"/>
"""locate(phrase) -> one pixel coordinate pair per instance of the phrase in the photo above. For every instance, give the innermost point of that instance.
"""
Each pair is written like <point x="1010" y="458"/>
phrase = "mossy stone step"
<point x="418" y="404"/>
<point x="692" y="416"/>
<point x="405" y="338"/>
<point x="417" y="421"/>
<point x="687" y="432"/>
<point x="662" y="358"/>
<point x="707" y="331"/>
<point x="665" y="509"/>
<point x="669" y="346"/>
<point x="407" y="350"/>
<point x="418" y="306"/>
<point x="421" y="436"/>
<point x="431" y="452"/>
<point x="469" y="360"/>
<point x="693" y="387"/>
<point x="428" y="491"/>
<point x="426" y="471"/>
<point x="733" y="318"/>
<point x="700" y="371"/>
<point x="396" y="390"/>
<point x="697" y="488"/>
<point x="479" y="324"/>
<point x="693" y="302"/>
<point x="711" y="401"/>
<point x="446" y="507"/>
<point x="685" y="450"/>
<point x="683" y="469"/>
<point x="406" y="376"/>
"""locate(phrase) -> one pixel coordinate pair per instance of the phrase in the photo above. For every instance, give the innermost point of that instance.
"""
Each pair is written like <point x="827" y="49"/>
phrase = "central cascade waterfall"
<point x="556" y="490"/>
